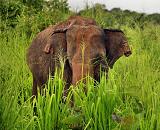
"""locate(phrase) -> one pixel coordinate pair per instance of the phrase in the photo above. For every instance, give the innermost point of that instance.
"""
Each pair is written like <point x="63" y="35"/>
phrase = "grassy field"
<point x="132" y="90"/>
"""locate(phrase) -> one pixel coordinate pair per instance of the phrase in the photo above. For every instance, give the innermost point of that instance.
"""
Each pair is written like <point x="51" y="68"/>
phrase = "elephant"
<point x="101" y="43"/>
<point x="44" y="51"/>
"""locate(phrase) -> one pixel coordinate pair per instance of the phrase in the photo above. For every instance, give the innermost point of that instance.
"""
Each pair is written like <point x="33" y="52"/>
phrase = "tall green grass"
<point x="131" y="90"/>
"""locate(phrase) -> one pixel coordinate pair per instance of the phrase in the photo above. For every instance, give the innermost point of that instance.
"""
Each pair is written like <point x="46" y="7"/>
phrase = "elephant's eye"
<point x="123" y="43"/>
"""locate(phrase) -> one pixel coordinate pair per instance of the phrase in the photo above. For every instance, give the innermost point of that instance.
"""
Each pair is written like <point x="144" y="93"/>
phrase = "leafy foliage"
<point x="10" y="10"/>
<point x="118" y="17"/>
<point x="131" y="91"/>
<point x="15" y="10"/>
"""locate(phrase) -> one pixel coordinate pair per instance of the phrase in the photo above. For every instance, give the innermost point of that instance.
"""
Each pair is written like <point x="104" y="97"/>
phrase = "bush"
<point x="10" y="10"/>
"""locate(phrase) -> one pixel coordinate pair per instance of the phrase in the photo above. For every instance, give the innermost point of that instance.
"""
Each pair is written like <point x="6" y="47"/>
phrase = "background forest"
<point x="132" y="90"/>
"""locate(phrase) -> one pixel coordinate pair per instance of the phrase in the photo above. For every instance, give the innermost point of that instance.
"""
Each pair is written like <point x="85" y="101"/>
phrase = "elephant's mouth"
<point x="114" y="59"/>
<point x="127" y="53"/>
<point x="126" y="49"/>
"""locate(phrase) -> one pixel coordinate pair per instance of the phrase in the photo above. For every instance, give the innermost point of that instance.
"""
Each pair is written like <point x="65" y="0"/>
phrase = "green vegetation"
<point x="131" y="91"/>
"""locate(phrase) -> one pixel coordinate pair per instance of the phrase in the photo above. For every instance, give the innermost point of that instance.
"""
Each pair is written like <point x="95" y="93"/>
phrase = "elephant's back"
<point x="79" y="37"/>
<point x="83" y="35"/>
<point x="35" y="52"/>
<point x="79" y="20"/>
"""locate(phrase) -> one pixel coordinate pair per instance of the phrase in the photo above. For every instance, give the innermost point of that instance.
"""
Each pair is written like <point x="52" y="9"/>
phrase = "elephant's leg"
<point x="67" y="78"/>
<point x="34" y="95"/>
<point x="38" y="81"/>
<point x="34" y="88"/>
<point x="80" y="71"/>
<point x="41" y="84"/>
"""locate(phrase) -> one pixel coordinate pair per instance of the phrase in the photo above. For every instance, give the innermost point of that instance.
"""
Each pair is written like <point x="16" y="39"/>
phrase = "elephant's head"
<point x="86" y="51"/>
<point x="116" y="46"/>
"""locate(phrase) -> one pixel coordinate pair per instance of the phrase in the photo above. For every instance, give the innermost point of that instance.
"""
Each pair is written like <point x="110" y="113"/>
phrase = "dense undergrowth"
<point x="131" y="90"/>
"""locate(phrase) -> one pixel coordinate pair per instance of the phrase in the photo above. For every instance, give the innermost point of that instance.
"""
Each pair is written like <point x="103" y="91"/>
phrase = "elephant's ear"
<point x="48" y="48"/>
<point x="106" y="30"/>
<point x="107" y="43"/>
<point x="108" y="47"/>
<point x="106" y="33"/>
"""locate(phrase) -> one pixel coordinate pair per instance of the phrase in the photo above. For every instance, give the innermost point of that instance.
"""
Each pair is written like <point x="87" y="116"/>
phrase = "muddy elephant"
<point x="43" y="55"/>
<point x="91" y="49"/>
<point x="46" y="49"/>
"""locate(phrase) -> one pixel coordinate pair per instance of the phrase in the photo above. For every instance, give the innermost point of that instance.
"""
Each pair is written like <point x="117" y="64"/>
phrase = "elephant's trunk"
<point x="102" y="66"/>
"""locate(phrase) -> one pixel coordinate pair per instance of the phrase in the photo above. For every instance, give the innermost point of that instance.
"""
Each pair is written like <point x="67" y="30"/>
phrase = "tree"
<point x="57" y="5"/>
